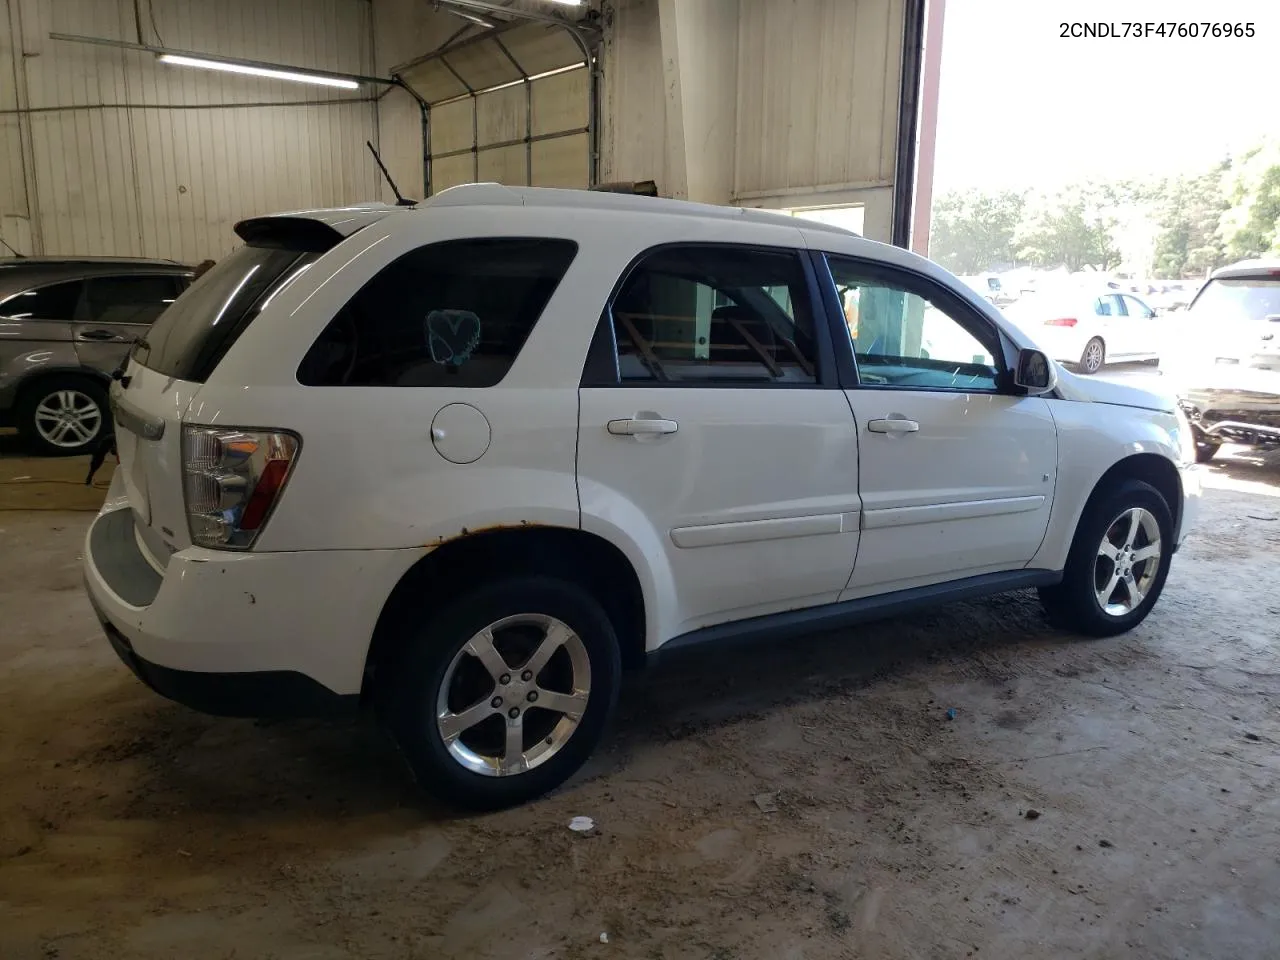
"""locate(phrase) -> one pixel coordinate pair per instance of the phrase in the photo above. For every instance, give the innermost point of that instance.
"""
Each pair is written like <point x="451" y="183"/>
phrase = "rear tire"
<point x="64" y="415"/>
<point x="1094" y="356"/>
<point x="1108" y="526"/>
<point x="449" y="703"/>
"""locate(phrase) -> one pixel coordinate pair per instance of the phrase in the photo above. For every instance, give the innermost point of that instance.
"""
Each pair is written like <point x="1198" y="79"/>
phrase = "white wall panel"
<point x="135" y="157"/>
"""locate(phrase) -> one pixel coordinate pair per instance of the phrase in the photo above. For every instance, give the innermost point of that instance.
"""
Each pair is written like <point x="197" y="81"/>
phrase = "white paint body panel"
<point x="744" y="506"/>
<point x="968" y="492"/>
<point x="760" y="501"/>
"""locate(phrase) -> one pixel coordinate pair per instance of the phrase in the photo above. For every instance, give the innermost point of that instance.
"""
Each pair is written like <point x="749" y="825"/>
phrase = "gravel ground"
<point x="1089" y="798"/>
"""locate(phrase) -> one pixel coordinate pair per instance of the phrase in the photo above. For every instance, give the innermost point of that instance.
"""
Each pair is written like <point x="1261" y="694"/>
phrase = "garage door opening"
<point x="850" y="217"/>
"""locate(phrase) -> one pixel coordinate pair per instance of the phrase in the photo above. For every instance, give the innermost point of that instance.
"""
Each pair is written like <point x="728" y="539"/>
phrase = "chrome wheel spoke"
<point x="1136" y="594"/>
<point x="513" y="756"/>
<point x="570" y="704"/>
<point x="1150" y="552"/>
<point x="1135" y="518"/>
<point x="481" y="647"/>
<point x="556" y="636"/>
<point x="453" y="724"/>
<point x="1105" y="594"/>
<point x="1109" y="550"/>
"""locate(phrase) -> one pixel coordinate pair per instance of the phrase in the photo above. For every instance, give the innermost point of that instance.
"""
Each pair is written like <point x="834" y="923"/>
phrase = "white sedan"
<point x="1089" y="328"/>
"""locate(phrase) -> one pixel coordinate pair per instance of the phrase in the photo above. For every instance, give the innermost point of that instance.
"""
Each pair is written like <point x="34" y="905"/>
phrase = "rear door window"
<point x="187" y="342"/>
<point x="451" y="314"/>
<point x="130" y="299"/>
<point x="56" y="301"/>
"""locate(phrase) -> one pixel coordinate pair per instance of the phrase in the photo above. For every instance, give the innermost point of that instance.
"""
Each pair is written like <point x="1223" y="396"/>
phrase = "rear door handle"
<point x="893" y="425"/>
<point x="99" y="335"/>
<point x="642" y="427"/>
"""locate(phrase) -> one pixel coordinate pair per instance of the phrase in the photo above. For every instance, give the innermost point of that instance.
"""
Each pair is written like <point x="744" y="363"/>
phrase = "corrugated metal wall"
<point x="127" y="156"/>
<point x="815" y="121"/>
<point x="818" y="89"/>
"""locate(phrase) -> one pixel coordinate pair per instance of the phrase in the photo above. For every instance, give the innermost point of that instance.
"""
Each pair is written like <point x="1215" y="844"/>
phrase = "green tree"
<point x="1074" y="229"/>
<point x="1188" y="211"/>
<point x="1250" y="226"/>
<point x="972" y="231"/>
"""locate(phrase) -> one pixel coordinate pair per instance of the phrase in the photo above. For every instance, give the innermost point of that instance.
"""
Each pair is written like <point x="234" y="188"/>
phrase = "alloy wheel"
<point x="1093" y="356"/>
<point x="1128" y="561"/>
<point x="68" y="419"/>
<point x="512" y="697"/>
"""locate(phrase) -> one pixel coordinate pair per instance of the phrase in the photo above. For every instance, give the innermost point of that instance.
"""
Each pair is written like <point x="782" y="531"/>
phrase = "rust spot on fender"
<point x="471" y="532"/>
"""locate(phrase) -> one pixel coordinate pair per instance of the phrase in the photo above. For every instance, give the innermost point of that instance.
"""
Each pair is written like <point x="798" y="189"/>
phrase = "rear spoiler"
<point x="289" y="233"/>
<point x="311" y="231"/>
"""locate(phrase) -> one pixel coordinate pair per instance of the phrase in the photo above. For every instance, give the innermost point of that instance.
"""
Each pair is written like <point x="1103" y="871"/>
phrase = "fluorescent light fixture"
<point x="568" y="3"/>
<point x="317" y="78"/>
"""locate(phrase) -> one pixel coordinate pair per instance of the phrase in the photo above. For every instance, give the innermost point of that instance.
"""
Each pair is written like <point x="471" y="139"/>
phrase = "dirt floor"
<point x="1089" y="799"/>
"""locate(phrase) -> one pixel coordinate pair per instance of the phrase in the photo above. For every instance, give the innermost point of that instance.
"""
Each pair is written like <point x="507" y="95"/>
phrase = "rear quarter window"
<point x="190" y="337"/>
<point x="451" y="314"/>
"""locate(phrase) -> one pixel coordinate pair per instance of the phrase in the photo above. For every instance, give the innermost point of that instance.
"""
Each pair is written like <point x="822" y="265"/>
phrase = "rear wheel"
<point x="1118" y="563"/>
<point x="1094" y="356"/>
<point x="504" y="693"/>
<point x="63" y="415"/>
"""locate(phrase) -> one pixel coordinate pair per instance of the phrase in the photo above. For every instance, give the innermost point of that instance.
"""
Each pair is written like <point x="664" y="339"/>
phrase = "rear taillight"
<point x="1061" y="322"/>
<point x="232" y="478"/>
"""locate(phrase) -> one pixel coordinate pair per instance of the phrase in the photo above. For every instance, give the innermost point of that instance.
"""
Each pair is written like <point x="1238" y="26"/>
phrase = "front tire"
<point x="63" y="415"/>
<point x="1094" y="356"/>
<point x="503" y="694"/>
<point x="1118" y="563"/>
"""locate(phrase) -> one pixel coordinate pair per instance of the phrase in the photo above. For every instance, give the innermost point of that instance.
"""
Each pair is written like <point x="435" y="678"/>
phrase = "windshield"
<point x="189" y="338"/>
<point x="1243" y="300"/>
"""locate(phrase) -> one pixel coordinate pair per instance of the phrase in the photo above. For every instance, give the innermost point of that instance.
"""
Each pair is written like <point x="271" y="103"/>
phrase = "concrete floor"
<point x="1090" y="798"/>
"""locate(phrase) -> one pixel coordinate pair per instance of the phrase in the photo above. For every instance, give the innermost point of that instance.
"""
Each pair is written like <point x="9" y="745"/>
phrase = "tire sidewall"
<point x="32" y="397"/>
<point x="1079" y="575"/>
<point x="411" y="692"/>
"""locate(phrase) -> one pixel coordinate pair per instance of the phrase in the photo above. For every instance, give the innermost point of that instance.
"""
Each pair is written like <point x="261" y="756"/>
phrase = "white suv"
<point x="464" y="462"/>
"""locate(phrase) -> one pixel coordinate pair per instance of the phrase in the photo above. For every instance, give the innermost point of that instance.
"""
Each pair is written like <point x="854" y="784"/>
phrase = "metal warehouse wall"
<point x="804" y="94"/>
<point x="107" y="152"/>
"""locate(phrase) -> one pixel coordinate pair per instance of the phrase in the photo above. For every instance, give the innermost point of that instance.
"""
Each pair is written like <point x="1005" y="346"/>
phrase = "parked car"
<point x="1089" y="327"/>
<point x="65" y="325"/>
<point x="988" y="286"/>
<point x="463" y="462"/>
<point x="1233" y="392"/>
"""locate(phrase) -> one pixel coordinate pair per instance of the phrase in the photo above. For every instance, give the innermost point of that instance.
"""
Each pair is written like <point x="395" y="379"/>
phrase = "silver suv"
<point x="65" y="325"/>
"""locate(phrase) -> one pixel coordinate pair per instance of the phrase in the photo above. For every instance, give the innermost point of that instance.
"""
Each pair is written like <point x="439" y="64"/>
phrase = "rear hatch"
<point x="1235" y="322"/>
<point x="165" y="371"/>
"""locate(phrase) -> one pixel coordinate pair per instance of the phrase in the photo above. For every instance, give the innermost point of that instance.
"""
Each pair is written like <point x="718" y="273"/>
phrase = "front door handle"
<point x="99" y="335"/>
<point x="893" y="425"/>
<point x="642" y="427"/>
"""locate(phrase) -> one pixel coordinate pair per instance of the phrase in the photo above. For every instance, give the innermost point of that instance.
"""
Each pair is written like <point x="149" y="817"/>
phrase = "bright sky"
<point x="1021" y="106"/>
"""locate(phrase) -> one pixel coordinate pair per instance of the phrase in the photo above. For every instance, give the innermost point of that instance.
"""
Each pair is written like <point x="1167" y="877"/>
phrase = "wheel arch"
<point x="584" y="558"/>
<point x="1150" y="468"/>
<point x="28" y="384"/>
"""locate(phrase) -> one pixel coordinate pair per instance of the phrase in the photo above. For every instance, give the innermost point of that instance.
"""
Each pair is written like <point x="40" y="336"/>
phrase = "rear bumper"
<point x="240" y="634"/>
<point x="259" y="693"/>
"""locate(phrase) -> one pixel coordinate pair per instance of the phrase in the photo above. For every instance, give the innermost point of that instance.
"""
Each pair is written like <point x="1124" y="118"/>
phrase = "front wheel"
<point x="504" y="693"/>
<point x="1118" y="563"/>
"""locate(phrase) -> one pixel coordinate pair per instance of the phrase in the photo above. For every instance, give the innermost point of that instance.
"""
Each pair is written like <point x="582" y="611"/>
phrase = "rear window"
<point x="451" y="314"/>
<point x="189" y="338"/>
<point x="1246" y="299"/>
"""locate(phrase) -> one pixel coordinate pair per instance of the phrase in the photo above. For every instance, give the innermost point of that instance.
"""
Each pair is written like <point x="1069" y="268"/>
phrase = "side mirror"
<point x="1035" y="374"/>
